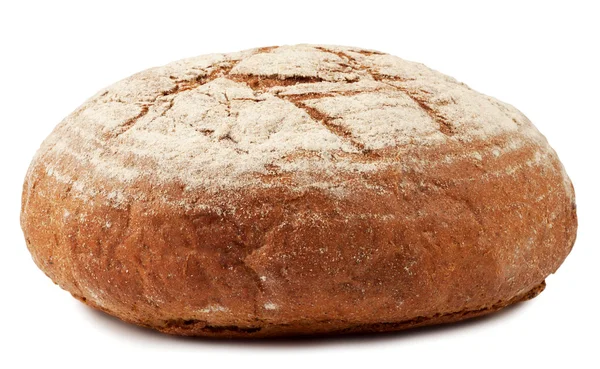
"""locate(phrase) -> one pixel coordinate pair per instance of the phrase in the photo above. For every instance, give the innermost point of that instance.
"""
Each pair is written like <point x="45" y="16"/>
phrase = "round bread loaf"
<point x="296" y="190"/>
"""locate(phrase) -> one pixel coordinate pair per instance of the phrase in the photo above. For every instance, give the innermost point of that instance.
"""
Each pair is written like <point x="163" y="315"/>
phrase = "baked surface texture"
<point x="296" y="190"/>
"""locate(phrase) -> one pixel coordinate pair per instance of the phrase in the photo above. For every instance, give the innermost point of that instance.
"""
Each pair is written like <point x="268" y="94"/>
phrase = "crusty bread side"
<point x="296" y="190"/>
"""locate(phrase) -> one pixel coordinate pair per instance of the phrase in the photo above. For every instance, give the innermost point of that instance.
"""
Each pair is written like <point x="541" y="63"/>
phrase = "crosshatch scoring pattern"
<point x="225" y="120"/>
<point x="296" y="190"/>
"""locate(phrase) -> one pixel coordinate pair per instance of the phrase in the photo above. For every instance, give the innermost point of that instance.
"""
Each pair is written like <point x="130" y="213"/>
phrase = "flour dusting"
<point x="224" y="121"/>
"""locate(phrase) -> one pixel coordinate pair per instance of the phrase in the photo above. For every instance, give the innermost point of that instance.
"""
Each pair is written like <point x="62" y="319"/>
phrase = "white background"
<point x="541" y="57"/>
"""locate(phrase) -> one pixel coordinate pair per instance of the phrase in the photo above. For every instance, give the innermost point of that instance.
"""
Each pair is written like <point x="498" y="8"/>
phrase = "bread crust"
<point x="192" y="327"/>
<point x="440" y="233"/>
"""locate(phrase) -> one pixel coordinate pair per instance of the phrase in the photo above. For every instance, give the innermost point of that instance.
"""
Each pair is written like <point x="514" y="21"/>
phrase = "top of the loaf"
<point x="219" y="121"/>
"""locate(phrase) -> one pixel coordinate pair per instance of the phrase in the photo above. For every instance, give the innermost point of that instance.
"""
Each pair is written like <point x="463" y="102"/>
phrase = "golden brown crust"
<point x="376" y="237"/>
<point x="181" y="327"/>
<point x="437" y="240"/>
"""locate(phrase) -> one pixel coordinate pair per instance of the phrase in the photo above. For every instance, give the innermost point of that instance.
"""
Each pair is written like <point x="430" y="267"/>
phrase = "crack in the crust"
<point x="261" y="83"/>
<point x="206" y="132"/>
<point x="385" y="78"/>
<point x="445" y="125"/>
<point x="247" y="99"/>
<point x="227" y="136"/>
<point x="352" y="63"/>
<point x="319" y="95"/>
<point x="369" y="52"/>
<point x="220" y="70"/>
<point x="227" y="104"/>
<point x="342" y="54"/>
<point x="164" y="112"/>
<point x="180" y="86"/>
<point x="266" y="49"/>
<point x="131" y="122"/>
<point x="327" y="121"/>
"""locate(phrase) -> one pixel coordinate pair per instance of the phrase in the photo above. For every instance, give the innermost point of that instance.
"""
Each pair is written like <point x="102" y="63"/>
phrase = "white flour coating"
<point x="214" y="309"/>
<point x="298" y="60"/>
<point x="271" y="306"/>
<point x="220" y="121"/>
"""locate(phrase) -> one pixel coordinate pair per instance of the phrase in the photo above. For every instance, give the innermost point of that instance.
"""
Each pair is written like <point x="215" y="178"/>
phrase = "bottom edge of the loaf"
<point x="199" y="328"/>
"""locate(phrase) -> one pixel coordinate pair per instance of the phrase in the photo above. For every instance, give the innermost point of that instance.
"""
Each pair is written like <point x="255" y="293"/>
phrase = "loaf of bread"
<point x="296" y="190"/>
